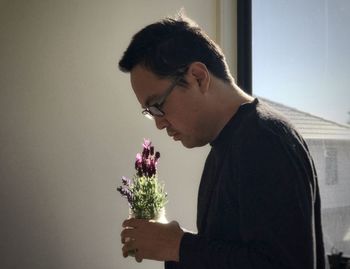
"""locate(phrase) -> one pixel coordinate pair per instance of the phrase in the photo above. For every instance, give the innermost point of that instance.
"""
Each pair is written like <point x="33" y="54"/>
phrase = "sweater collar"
<point x="234" y="122"/>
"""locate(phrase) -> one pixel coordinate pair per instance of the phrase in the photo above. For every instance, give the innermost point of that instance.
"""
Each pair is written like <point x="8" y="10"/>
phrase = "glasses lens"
<point x="147" y="114"/>
<point x="155" y="111"/>
<point x="152" y="111"/>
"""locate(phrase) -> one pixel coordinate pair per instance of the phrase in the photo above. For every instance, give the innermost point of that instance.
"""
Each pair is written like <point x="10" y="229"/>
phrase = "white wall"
<point x="335" y="195"/>
<point x="335" y="200"/>
<point x="71" y="126"/>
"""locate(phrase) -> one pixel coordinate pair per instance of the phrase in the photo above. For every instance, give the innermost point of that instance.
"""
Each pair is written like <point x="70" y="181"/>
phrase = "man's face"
<point x="183" y="118"/>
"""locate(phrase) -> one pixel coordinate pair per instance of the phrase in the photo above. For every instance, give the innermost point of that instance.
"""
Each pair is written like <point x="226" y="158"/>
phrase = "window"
<point x="331" y="166"/>
<point x="300" y="60"/>
<point x="301" y="55"/>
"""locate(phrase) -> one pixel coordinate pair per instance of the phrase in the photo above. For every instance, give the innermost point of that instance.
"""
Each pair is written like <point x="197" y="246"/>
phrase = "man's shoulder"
<point x="270" y="120"/>
<point x="264" y="122"/>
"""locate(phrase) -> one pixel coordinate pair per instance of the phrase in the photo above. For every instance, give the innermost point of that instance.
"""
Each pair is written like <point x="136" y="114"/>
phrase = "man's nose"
<point x="161" y="122"/>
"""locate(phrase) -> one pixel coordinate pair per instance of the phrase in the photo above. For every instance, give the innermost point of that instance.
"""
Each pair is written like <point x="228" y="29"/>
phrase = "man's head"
<point x="167" y="47"/>
<point x="172" y="65"/>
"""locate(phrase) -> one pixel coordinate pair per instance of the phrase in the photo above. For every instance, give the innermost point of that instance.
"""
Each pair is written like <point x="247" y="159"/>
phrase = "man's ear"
<point x="200" y="74"/>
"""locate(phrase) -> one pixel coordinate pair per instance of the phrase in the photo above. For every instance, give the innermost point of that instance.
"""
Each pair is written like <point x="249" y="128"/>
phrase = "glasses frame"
<point x="155" y="110"/>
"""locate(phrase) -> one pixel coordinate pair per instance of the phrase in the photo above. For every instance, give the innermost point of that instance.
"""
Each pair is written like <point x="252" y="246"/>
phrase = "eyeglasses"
<point x="156" y="109"/>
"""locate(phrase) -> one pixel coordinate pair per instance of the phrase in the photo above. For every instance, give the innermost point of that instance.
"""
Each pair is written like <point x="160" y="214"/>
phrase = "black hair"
<point x="169" y="46"/>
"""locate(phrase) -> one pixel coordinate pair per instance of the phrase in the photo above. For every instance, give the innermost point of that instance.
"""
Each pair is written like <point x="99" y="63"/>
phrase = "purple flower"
<point x="146" y="162"/>
<point x="126" y="181"/>
<point x="145" y="153"/>
<point x="146" y="168"/>
<point x="126" y="193"/>
<point x="138" y="157"/>
<point x="157" y="156"/>
<point x="138" y="162"/>
<point x="146" y="143"/>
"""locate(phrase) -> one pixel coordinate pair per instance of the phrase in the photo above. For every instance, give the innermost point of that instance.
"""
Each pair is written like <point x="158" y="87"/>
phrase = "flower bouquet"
<point x="145" y="194"/>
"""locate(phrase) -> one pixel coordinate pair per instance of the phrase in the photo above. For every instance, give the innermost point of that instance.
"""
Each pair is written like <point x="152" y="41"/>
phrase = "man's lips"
<point x="173" y="134"/>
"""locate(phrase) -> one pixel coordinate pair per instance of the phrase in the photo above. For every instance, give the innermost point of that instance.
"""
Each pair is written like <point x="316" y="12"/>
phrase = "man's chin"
<point x="191" y="144"/>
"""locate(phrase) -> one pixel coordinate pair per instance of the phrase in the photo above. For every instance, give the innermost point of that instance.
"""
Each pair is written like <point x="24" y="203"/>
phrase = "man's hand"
<point x="151" y="240"/>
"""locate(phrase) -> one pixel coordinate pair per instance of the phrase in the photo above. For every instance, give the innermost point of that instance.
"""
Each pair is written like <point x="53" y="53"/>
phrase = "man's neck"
<point x="230" y="98"/>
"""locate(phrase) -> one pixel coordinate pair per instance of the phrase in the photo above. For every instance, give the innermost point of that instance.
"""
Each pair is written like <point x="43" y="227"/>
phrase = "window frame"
<point x="244" y="45"/>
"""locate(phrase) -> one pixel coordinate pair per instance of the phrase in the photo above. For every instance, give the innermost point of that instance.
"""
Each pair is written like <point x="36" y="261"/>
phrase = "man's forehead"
<point x="139" y="72"/>
<point x="145" y="84"/>
<point x="141" y="79"/>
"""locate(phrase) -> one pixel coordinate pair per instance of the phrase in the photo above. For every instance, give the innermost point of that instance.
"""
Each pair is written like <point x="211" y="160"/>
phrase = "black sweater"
<point x="258" y="201"/>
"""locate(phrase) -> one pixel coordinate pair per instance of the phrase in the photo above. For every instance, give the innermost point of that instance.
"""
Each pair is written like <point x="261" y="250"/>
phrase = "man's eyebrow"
<point x="150" y="99"/>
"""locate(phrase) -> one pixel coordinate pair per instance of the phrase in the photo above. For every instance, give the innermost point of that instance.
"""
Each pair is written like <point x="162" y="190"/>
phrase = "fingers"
<point x="133" y="253"/>
<point x="129" y="249"/>
<point x="127" y="238"/>
<point x="134" y="223"/>
<point x="132" y="227"/>
<point x="138" y="258"/>
<point x="127" y="233"/>
<point x="137" y="235"/>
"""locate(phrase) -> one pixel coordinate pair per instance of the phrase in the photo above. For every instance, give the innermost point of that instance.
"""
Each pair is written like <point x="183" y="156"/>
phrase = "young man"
<point x="258" y="200"/>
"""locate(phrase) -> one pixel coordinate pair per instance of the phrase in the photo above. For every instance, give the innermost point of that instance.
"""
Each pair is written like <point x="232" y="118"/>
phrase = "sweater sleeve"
<point x="275" y="213"/>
